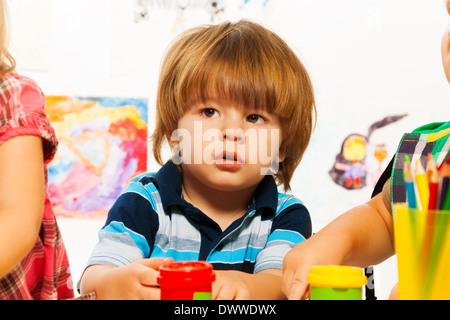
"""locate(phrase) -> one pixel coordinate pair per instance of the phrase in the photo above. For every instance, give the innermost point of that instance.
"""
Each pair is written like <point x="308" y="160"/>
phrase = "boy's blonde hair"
<point x="243" y="63"/>
<point x="7" y="62"/>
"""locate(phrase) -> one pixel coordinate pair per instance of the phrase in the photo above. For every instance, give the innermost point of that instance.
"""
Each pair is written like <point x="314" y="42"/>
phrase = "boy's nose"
<point x="234" y="134"/>
<point x="233" y="126"/>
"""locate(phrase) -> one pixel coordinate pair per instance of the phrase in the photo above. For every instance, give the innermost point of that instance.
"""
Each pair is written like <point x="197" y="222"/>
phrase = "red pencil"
<point x="433" y="182"/>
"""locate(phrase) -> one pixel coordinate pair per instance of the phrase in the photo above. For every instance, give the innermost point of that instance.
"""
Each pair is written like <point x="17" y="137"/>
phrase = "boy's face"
<point x="226" y="147"/>
<point x="446" y="46"/>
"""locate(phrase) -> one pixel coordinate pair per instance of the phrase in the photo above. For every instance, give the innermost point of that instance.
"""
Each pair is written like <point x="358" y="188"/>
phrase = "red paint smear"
<point x="134" y="141"/>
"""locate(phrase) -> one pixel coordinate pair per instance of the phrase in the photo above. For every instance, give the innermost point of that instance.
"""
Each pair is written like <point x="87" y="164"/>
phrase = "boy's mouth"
<point x="228" y="157"/>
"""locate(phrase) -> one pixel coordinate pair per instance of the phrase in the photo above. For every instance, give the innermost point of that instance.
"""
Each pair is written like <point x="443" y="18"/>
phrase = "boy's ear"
<point x="281" y="156"/>
<point x="172" y="142"/>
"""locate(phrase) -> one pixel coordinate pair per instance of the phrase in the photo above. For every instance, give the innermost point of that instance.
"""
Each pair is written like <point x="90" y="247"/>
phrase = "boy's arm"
<point x="362" y="236"/>
<point x="238" y="285"/>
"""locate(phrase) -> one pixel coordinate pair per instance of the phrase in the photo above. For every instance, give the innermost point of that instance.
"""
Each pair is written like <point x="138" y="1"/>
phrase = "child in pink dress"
<point x="33" y="260"/>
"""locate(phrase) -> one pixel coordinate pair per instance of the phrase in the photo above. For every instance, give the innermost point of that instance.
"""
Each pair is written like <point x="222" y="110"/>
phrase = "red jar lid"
<point x="187" y="273"/>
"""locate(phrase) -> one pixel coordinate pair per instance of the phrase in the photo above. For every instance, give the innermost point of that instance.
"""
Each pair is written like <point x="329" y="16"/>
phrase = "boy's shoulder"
<point x="144" y="178"/>
<point x="287" y="200"/>
<point x="144" y="185"/>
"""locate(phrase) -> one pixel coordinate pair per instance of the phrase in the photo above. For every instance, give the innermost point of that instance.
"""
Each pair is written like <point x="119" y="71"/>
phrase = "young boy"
<point x="364" y="235"/>
<point x="237" y="108"/>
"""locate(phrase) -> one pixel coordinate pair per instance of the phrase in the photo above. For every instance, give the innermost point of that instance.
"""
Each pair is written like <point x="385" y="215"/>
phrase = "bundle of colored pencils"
<point x="422" y="232"/>
<point x="427" y="189"/>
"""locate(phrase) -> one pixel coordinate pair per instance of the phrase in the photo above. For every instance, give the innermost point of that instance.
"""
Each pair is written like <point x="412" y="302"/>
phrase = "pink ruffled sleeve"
<point x="22" y="106"/>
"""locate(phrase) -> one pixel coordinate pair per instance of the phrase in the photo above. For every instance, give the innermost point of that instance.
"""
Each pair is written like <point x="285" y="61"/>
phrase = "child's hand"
<point x="394" y="293"/>
<point x="297" y="265"/>
<point x="137" y="280"/>
<point x="295" y="271"/>
<point x="228" y="286"/>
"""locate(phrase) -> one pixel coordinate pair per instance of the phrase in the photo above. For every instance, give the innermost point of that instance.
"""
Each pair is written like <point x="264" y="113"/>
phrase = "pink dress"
<point x="44" y="273"/>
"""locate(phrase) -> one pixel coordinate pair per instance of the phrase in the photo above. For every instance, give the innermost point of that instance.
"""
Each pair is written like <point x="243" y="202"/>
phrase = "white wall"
<point x="367" y="59"/>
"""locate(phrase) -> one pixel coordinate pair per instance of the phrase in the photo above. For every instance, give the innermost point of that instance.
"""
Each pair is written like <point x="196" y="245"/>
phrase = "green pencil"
<point x="446" y="205"/>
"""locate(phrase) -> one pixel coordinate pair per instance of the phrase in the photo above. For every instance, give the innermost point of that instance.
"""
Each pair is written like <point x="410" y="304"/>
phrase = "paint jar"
<point x="336" y="283"/>
<point x="189" y="280"/>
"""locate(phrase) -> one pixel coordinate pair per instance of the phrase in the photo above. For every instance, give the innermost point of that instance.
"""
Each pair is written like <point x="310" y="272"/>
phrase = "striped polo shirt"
<point x="151" y="219"/>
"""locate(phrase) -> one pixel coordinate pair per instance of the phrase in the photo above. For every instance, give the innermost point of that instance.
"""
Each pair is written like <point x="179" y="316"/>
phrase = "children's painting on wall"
<point x="349" y="169"/>
<point x="102" y="144"/>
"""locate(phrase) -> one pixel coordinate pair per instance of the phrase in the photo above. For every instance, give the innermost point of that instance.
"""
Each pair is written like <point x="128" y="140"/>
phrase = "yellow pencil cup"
<point x="422" y="245"/>
<point x="336" y="283"/>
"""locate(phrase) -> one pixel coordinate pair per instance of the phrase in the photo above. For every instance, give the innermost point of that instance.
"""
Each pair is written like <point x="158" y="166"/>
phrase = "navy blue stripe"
<point x="137" y="214"/>
<point x="246" y="266"/>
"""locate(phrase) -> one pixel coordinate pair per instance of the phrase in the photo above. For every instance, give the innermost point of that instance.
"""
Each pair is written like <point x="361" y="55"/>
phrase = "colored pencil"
<point x="430" y="164"/>
<point x="441" y="277"/>
<point x="433" y="182"/>
<point x="428" y="251"/>
<point x="409" y="183"/>
<point x="438" y="228"/>
<point x="422" y="186"/>
<point x="425" y="253"/>
<point x="446" y="205"/>
<point x="445" y="178"/>
<point x="406" y="249"/>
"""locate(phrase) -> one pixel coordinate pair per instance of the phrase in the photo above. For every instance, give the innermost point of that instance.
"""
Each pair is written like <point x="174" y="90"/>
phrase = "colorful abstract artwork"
<point x="102" y="144"/>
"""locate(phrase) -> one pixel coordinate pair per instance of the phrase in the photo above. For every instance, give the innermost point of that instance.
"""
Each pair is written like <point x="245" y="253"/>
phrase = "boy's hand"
<point x="229" y="287"/>
<point x="138" y="280"/>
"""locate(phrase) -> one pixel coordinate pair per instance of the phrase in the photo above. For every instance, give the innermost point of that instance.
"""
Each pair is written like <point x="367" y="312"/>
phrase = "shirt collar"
<point x="168" y="182"/>
<point x="265" y="197"/>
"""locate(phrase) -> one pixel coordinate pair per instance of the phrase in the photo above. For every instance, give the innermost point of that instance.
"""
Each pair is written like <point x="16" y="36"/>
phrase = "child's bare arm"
<point x="238" y="285"/>
<point x="362" y="236"/>
<point x="21" y="198"/>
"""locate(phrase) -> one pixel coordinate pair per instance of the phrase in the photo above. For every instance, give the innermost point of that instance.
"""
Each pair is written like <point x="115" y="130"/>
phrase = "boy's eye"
<point x="210" y="112"/>
<point x="254" y="118"/>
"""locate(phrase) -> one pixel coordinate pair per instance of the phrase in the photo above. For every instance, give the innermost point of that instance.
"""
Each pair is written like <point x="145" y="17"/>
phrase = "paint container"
<point x="336" y="283"/>
<point x="189" y="280"/>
